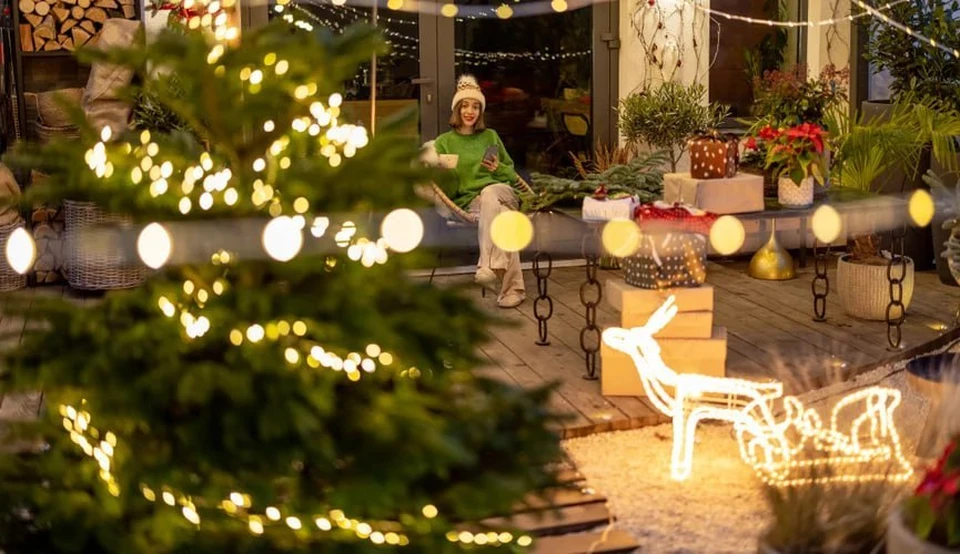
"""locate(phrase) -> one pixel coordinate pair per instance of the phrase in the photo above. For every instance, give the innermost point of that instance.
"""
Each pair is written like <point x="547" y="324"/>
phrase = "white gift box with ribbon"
<point x="606" y="210"/>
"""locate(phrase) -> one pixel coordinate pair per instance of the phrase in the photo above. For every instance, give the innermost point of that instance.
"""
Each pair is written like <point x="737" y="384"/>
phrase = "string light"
<point x="791" y="24"/>
<point x="906" y="30"/>
<point x="772" y="447"/>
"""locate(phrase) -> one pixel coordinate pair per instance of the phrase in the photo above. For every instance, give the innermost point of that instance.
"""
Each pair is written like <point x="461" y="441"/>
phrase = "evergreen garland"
<point x="641" y="177"/>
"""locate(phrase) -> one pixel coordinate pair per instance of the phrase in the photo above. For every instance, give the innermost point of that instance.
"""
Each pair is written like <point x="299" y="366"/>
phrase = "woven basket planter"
<point x="9" y="279"/>
<point x="94" y="259"/>
<point x="864" y="290"/>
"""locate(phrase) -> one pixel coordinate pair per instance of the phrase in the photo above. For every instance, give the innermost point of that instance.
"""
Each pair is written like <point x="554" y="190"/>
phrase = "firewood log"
<point x="33" y="18"/>
<point x="41" y="8"/>
<point x="88" y="26"/>
<point x="67" y="43"/>
<point x="96" y="14"/>
<point x="107" y="4"/>
<point x="61" y="13"/>
<point x="46" y="29"/>
<point x="76" y="12"/>
<point x="83" y="3"/>
<point x="80" y="37"/>
<point x="27" y="6"/>
<point x="51" y="45"/>
<point x="26" y="38"/>
<point x="67" y="25"/>
<point x="129" y="12"/>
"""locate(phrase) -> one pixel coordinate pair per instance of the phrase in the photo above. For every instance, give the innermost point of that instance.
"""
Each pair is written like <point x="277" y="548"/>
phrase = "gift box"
<point x="673" y="250"/>
<point x="606" y="209"/>
<point x="742" y="193"/>
<point x="714" y="156"/>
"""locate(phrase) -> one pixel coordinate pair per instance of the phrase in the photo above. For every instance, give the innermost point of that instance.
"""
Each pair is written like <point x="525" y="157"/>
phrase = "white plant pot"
<point x="864" y="290"/>
<point x="792" y="195"/>
<point x="901" y="540"/>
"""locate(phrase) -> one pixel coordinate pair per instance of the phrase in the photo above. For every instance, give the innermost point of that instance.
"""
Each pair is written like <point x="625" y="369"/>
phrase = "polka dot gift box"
<point x="673" y="247"/>
<point x="714" y="156"/>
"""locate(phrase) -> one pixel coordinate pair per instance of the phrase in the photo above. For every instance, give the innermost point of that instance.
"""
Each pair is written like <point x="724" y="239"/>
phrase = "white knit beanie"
<point x="467" y="87"/>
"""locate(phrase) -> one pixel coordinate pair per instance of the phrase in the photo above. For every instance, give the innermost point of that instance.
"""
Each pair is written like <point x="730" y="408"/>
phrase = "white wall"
<point x="682" y="23"/>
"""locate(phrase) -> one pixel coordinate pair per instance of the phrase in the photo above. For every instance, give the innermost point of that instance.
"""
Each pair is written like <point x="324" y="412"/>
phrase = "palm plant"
<point x="866" y="148"/>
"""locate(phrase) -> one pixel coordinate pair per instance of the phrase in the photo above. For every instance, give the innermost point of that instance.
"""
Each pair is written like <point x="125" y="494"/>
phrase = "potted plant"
<point x="948" y="231"/>
<point x="796" y="156"/>
<point x="928" y="521"/>
<point x="663" y="118"/>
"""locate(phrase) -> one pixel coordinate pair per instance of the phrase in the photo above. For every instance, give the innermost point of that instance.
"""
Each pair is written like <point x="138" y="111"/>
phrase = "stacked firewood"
<point x="47" y="25"/>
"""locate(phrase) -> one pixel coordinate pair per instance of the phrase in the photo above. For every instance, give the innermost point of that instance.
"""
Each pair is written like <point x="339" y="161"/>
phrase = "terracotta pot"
<point x="864" y="290"/>
<point x="901" y="540"/>
<point x="792" y="195"/>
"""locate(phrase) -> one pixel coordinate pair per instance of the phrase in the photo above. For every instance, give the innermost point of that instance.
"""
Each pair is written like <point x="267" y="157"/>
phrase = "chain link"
<point x="591" y="293"/>
<point x="820" y="276"/>
<point x="543" y="305"/>
<point x="896" y="274"/>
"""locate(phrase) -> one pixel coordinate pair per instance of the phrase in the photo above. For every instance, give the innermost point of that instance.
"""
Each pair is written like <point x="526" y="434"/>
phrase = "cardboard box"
<point x="691" y="325"/>
<point x="742" y="193"/>
<point x="619" y="375"/>
<point x="635" y="300"/>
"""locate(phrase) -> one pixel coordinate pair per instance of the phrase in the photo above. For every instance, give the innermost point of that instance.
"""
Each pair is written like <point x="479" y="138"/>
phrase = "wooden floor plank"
<point x="614" y="542"/>
<point x="555" y="522"/>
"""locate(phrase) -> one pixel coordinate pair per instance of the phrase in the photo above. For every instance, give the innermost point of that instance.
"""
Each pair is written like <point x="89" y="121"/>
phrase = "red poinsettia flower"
<point x="768" y="133"/>
<point x="810" y="132"/>
<point x="751" y="144"/>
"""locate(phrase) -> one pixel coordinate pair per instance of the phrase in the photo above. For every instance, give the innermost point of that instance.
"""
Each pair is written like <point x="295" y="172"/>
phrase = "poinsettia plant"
<point x="933" y="511"/>
<point x="795" y="152"/>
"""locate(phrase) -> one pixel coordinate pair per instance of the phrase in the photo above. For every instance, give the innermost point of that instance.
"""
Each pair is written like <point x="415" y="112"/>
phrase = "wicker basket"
<point x="864" y="290"/>
<point x="97" y="262"/>
<point x="9" y="279"/>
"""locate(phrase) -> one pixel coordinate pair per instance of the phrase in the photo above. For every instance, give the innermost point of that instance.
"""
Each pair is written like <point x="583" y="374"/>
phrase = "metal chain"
<point x="820" y="276"/>
<point x="543" y="300"/>
<point x="896" y="273"/>
<point x="591" y="293"/>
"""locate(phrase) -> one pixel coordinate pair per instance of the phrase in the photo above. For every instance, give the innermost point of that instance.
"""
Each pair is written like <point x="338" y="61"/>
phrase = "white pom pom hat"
<point x="467" y="87"/>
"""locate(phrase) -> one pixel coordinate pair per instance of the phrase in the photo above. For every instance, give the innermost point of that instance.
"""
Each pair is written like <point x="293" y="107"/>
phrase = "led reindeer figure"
<point x="775" y="448"/>
<point x="690" y="398"/>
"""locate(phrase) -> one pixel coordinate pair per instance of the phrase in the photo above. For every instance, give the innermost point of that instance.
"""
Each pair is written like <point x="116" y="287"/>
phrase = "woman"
<point x="484" y="187"/>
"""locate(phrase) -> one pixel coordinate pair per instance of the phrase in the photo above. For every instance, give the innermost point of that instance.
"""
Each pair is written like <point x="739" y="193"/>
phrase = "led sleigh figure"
<point x="774" y="446"/>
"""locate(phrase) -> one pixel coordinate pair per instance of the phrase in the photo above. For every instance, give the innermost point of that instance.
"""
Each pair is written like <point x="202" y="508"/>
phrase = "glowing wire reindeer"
<point x="771" y="446"/>
<point x="691" y="398"/>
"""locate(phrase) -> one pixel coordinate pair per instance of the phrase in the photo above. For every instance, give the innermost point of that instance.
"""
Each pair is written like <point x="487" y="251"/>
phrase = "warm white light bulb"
<point x="21" y="250"/>
<point x="154" y="245"/>
<point x="282" y="238"/>
<point x="402" y="230"/>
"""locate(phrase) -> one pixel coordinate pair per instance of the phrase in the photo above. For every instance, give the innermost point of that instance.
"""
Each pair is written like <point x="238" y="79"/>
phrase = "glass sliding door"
<point x="395" y="84"/>
<point x="536" y="74"/>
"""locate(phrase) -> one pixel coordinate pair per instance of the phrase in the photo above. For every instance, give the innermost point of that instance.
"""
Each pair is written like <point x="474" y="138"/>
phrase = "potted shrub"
<point x="663" y="118"/>
<point x="918" y="69"/>
<point x="796" y="156"/>
<point x="928" y="521"/>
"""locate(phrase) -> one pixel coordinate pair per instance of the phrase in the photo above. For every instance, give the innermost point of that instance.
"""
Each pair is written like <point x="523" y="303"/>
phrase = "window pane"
<point x="395" y="71"/>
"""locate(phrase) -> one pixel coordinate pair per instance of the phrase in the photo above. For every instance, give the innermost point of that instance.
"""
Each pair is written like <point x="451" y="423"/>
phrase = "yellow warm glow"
<point x="921" y="208"/>
<point x="827" y="224"/>
<point x="727" y="235"/>
<point x="772" y="446"/>
<point x="621" y="237"/>
<point x="511" y="231"/>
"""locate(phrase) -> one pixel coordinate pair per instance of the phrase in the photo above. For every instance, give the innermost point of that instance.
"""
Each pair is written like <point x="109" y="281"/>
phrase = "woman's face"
<point x="469" y="112"/>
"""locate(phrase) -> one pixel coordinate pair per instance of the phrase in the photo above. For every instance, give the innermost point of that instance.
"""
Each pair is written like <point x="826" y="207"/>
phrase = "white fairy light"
<point x="154" y="245"/>
<point x="20" y="250"/>
<point x="402" y="230"/>
<point x="282" y="238"/>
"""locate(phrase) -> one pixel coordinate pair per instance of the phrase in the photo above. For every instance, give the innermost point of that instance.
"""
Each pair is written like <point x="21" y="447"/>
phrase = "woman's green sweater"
<point x="471" y="176"/>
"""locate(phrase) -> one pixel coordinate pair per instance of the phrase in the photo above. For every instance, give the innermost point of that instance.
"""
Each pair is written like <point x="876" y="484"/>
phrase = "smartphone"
<point x="491" y="152"/>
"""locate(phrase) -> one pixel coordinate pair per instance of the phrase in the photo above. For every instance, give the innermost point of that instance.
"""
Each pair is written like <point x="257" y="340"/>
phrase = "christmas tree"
<point x="281" y="384"/>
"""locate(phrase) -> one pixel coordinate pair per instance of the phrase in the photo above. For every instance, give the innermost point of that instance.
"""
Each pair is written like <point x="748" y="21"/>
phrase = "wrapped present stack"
<point x="714" y="183"/>
<point x="673" y="262"/>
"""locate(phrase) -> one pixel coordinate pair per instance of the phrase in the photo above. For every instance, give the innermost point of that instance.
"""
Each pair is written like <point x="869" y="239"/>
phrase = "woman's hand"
<point x="491" y="164"/>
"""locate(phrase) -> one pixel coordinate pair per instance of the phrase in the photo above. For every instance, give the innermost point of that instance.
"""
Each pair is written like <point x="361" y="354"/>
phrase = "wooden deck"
<point x="770" y="328"/>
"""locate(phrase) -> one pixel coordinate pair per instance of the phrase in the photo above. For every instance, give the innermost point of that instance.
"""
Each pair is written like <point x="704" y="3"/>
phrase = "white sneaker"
<point x="487" y="278"/>
<point x="512" y="300"/>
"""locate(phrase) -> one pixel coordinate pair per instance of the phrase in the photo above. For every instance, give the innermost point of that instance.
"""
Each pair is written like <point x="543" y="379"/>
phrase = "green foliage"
<point x="206" y="417"/>
<point x="918" y="67"/>
<point x="642" y="177"/>
<point x="788" y="98"/>
<point x="769" y="54"/>
<point x="866" y="148"/>
<point x="933" y="511"/>
<point x="150" y="113"/>
<point x="947" y="200"/>
<point x="666" y="116"/>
